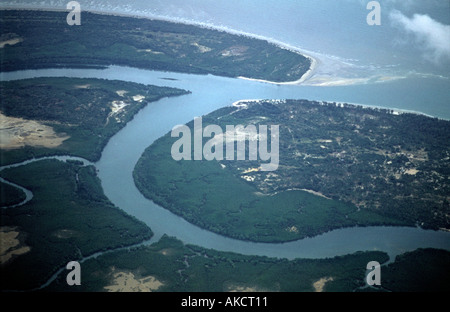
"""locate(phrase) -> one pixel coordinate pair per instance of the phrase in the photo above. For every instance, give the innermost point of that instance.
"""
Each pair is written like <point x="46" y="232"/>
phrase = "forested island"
<point x="103" y="40"/>
<point x="340" y="166"/>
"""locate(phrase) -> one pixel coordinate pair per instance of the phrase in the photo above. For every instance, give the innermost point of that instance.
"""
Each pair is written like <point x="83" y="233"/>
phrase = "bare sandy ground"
<point x="138" y="98"/>
<point x="17" y="132"/>
<point x="249" y="170"/>
<point x="121" y="92"/>
<point x="201" y="48"/>
<point x="127" y="282"/>
<point x="10" y="42"/>
<point x="10" y="245"/>
<point x="320" y="284"/>
<point x="242" y="288"/>
<point x="292" y="229"/>
<point x="315" y="193"/>
<point x="85" y="86"/>
<point x="117" y="106"/>
<point x="411" y="171"/>
<point x="323" y="81"/>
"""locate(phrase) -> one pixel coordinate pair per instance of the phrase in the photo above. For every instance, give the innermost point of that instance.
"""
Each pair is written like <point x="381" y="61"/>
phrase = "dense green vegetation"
<point x="424" y="270"/>
<point x="142" y="43"/>
<point x="191" y="268"/>
<point x="375" y="167"/>
<point x="10" y="195"/>
<point x="214" y="198"/>
<point x="68" y="217"/>
<point x="80" y="108"/>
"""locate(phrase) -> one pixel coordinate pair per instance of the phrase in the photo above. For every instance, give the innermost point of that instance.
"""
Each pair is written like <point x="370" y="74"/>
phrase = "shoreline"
<point x="395" y="111"/>
<point x="307" y="75"/>
<point x="312" y="77"/>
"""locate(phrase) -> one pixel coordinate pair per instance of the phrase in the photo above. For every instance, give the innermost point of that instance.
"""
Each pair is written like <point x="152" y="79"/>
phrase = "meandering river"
<point x="208" y="94"/>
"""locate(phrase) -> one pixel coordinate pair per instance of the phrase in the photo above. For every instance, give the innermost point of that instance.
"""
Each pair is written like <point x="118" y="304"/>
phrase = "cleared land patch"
<point x="10" y="244"/>
<point x="48" y="116"/>
<point x="128" y="282"/>
<point x="18" y="132"/>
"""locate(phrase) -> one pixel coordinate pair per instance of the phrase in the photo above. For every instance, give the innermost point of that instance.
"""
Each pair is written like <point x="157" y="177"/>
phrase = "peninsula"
<point x="339" y="166"/>
<point x="142" y="43"/>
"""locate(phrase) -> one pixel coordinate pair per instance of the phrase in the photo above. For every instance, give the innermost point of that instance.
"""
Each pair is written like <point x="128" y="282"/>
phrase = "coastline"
<point x="395" y="111"/>
<point x="306" y="76"/>
<point x="309" y="73"/>
<point x="313" y="77"/>
<point x="290" y="245"/>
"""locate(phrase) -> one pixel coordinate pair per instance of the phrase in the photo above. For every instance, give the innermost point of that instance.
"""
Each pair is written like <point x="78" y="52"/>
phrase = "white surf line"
<point x="133" y="14"/>
<point x="395" y="111"/>
<point x="309" y="73"/>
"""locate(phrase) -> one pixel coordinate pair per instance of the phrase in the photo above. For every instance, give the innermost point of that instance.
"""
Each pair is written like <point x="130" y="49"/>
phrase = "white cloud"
<point x="430" y="35"/>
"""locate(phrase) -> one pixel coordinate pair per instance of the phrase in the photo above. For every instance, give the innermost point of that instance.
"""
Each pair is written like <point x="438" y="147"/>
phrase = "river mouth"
<point x="208" y="94"/>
